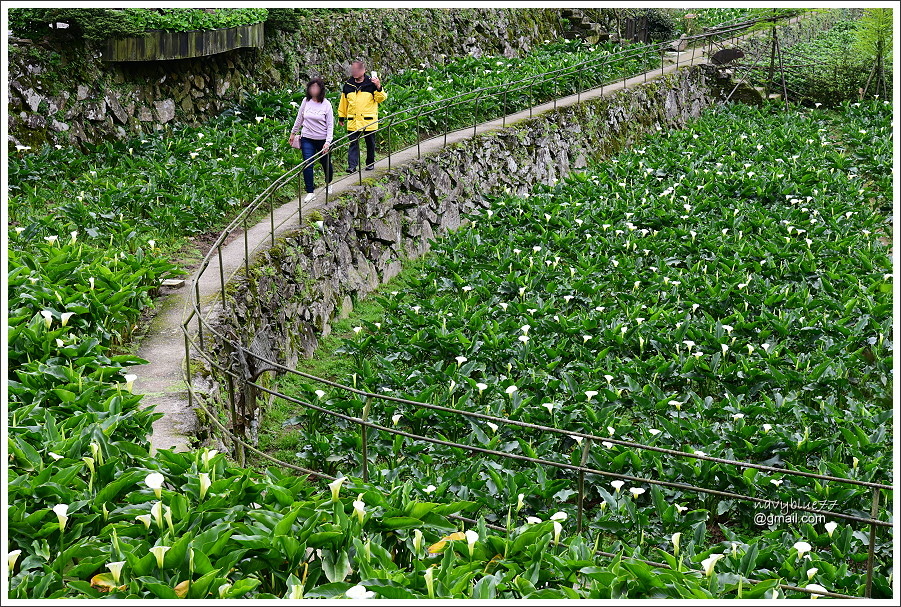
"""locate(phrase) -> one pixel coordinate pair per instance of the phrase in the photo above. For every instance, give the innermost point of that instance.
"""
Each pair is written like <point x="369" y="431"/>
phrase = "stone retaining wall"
<point x="295" y="289"/>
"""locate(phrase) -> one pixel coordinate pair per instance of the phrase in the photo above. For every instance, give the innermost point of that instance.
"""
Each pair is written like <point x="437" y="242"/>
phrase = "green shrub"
<point x="186" y="19"/>
<point x="661" y="25"/>
<point x="90" y="23"/>
<point x="98" y="24"/>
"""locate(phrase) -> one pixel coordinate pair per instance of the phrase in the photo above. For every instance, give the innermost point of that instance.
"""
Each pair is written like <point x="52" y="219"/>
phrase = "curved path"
<point x="162" y="379"/>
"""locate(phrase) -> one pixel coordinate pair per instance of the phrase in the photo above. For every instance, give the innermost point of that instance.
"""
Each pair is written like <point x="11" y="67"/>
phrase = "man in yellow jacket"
<point x="359" y="106"/>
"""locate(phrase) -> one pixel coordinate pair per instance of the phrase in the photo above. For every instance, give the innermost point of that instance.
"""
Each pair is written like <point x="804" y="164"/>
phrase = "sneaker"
<point x="351" y="171"/>
<point x="370" y="167"/>
<point x="309" y="197"/>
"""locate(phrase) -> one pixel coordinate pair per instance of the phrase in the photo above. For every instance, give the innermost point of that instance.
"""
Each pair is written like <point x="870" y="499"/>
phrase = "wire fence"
<point x="243" y="368"/>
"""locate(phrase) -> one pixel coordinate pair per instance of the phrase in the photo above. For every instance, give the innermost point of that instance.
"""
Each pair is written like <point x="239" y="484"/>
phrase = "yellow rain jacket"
<point x="359" y="104"/>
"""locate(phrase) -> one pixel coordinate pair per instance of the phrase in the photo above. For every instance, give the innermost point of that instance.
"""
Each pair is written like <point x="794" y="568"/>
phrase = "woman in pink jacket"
<point x="315" y="124"/>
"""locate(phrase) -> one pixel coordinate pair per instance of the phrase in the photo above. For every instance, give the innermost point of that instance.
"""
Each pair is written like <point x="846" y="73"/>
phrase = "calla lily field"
<point x="723" y="290"/>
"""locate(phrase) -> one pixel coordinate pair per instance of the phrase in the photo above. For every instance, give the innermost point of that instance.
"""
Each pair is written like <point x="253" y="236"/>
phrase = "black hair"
<point x="321" y="96"/>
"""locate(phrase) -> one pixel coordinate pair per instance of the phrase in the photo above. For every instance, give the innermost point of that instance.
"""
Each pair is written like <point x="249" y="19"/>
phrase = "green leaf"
<point x="328" y="591"/>
<point x="283" y="527"/>
<point x="401" y="522"/>
<point x="418" y="509"/>
<point x="241" y="587"/>
<point x="335" y="565"/>
<point x="159" y="590"/>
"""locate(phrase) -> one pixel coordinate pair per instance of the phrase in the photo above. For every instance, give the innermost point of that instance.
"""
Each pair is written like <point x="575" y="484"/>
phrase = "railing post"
<point x="644" y="62"/>
<point x="579" y="84"/>
<point x="388" y="134"/>
<point x="555" y="93"/>
<point x="299" y="201"/>
<point x="199" y="314"/>
<point x="603" y="76"/>
<point x="504" y="112"/>
<point x="418" y="135"/>
<point x="581" y="506"/>
<point x="328" y="184"/>
<point x="188" y="366"/>
<point x="531" y="81"/>
<point x="246" y="255"/>
<point x="475" y="118"/>
<point x="874" y="512"/>
<point x="272" y="219"/>
<point x="221" y="275"/>
<point x="239" y="451"/>
<point x="446" y="125"/>
<point x="364" y="436"/>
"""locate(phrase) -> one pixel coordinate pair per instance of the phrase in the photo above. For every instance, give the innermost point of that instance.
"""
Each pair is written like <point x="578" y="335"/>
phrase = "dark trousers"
<point x="309" y="148"/>
<point x="353" y="150"/>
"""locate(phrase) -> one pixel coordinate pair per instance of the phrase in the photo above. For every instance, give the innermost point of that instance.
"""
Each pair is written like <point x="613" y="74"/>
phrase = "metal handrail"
<point x="392" y="121"/>
<point x="491" y="526"/>
<point x="231" y="374"/>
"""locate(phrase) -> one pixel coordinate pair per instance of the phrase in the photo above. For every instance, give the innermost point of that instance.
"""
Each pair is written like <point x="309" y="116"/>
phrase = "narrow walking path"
<point x="162" y="380"/>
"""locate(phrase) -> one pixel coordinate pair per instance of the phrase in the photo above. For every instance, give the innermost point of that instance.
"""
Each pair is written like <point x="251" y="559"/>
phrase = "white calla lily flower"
<point x="62" y="515"/>
<point x="11" y="558"/>
<point x="205" y="484"/>
<point x="815" y="587"/>
<point x="155" y="481"/>
<point x="802" y="548"/>
<point x="335" y="487"/>
<point x="160" y="553"/>
<point x="676" y="539"/>
<point x="359" y="592"/>
<point x="710" y="562"/>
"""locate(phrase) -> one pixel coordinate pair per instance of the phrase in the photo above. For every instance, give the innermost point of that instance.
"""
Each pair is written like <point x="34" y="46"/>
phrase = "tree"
<point x="874" y="40"/>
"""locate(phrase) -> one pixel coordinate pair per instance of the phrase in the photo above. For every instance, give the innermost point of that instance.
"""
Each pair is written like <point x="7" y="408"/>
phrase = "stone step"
<point x="589" y="37"/>
<point x="583" y="24"/>
<point x="172" y="283"/>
